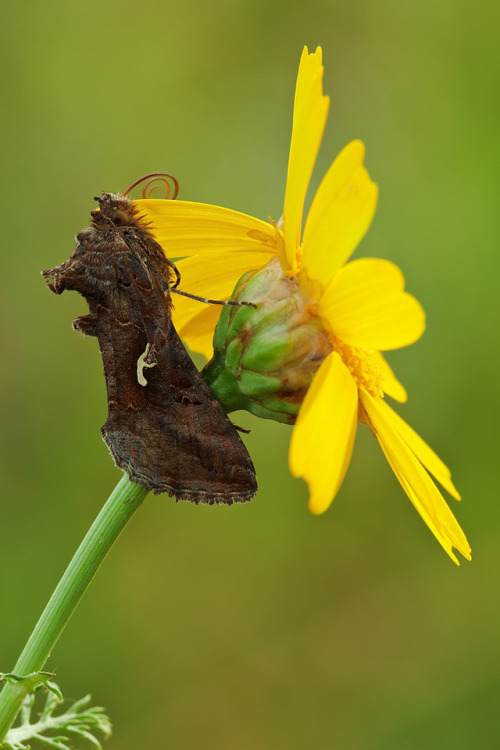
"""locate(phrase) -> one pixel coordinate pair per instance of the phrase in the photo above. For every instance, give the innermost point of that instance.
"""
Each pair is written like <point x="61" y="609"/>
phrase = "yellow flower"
<point x="362" y="306"/>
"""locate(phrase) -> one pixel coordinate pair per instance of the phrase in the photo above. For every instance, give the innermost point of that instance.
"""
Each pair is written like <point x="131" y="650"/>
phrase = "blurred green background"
<point x="260" y="626"/>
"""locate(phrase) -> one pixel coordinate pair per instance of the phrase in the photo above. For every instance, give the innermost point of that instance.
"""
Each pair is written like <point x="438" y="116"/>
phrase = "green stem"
<point x="114" y="516"/>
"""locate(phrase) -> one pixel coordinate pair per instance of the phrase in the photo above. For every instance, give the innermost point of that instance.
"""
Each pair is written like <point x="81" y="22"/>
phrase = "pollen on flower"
<point x="362" y="366"/>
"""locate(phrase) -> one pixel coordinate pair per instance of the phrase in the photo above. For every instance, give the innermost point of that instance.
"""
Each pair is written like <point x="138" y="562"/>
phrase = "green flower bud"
<point x="265" y="357"/>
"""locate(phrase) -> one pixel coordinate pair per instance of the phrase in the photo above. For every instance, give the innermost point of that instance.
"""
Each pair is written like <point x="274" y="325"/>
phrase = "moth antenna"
<point x="162" y="179"/>
<point x="231" y="302"/>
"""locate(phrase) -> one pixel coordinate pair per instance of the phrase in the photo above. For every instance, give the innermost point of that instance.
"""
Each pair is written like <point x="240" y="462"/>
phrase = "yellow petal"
<point x="419" y="447"/>
<point x="183" y="228"/>
<point x="198" y="332"/>
<point x="340" y="214"/>
<point x="415" y="481"/>
<point x="366" y="307"/>
<point x="390" y="384"/>
<point x="214" y="276"/>
<point x="310" y="110"/>
<point x="323" y="436"/>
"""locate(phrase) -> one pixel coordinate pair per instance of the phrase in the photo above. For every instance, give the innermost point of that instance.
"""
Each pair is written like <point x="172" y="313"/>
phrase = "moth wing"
<point x="169" y="433"/>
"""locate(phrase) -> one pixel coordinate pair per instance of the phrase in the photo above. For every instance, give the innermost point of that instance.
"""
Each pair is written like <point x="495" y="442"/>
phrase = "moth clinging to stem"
<point x="165" y="428"/>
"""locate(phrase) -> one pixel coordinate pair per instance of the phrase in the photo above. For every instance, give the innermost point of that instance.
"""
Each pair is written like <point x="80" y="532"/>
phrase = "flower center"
<point x="362" y="366"/>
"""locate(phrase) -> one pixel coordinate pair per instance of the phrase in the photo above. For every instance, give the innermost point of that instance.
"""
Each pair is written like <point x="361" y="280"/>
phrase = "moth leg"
<point x="165" y="284"/>
<point x="177" y="274"/>
<point x="241" y="429"/>
<point x="86" y="324"/>
<point x="147" y="359"/>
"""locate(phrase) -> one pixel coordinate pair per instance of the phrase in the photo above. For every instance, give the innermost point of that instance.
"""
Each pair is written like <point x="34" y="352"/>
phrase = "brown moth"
<point x="165" y="428"/>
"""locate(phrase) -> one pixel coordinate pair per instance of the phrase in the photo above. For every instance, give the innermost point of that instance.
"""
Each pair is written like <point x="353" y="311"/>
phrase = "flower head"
<point x="359" y="309"/>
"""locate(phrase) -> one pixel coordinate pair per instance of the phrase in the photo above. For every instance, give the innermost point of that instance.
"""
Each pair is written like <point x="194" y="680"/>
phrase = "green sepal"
<point x="239" y="319"/>
<point x="262" y="355"/>
<point x="233" y="356"/>
<point x="227" y="315"/>
<point x="280" y="411"/>
<point x="221" y="329"/>
<point x="255" y="385"/>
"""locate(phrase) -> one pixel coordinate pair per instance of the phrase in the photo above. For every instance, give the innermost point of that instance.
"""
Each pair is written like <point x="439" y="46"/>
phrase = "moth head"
<point x="114" y="211"/>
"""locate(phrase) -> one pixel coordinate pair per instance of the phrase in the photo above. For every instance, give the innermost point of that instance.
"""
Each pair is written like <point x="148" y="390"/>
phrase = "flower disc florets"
<point x="364" y="368"/>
